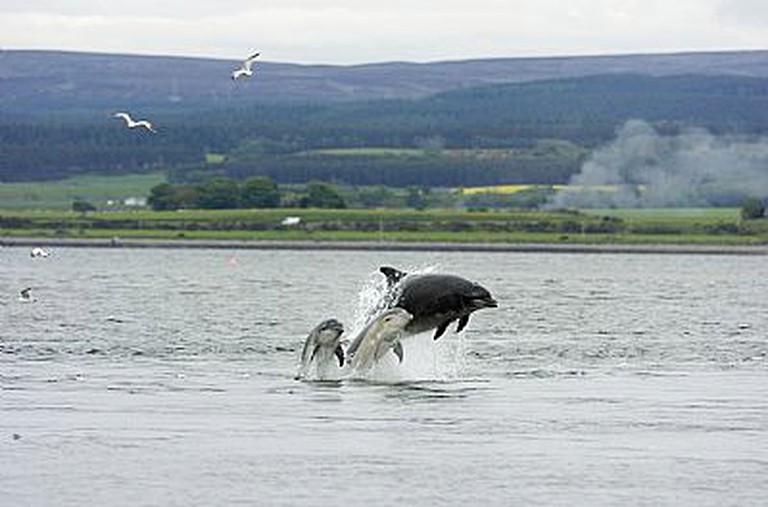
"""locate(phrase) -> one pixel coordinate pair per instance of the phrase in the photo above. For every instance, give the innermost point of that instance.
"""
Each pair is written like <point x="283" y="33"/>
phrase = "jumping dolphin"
<point x="435" y="300"/>
<point x="322" y="343"/>
<point x="378" y="337"/>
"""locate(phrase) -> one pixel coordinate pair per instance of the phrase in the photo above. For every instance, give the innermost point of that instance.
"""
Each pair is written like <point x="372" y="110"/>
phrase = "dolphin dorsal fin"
<point x="393" y="275"/>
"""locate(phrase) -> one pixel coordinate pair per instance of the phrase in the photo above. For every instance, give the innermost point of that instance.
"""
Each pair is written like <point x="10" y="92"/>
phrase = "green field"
<point x="717" y="227"/>
<point x="44" y="210"/>
<point x="59" y="195"/>
<point x="669" y="214"/>
<point x="543" y="148"/>
<point x="370" y="152"/>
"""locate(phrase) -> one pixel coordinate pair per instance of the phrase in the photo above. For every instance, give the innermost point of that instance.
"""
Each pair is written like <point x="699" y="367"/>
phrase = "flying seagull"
<point x="25" y="296"/>
<point x="246" y="68"/>
<point x="130" y="123"/>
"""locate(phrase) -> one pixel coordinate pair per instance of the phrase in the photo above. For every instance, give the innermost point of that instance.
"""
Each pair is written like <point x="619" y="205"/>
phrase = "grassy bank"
<point x="718" y="227"/>
<point x="102" y="191"/>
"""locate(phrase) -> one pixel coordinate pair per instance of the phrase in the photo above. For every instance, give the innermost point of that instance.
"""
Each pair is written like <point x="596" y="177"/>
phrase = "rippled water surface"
<point x="166" y="377"/>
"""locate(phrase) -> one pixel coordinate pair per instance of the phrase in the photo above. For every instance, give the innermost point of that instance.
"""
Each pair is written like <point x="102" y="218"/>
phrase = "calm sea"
<point x="166" y="377"/>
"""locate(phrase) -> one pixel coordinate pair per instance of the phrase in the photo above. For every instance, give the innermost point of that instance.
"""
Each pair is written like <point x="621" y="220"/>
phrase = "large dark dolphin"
<point x="435" y="300"/>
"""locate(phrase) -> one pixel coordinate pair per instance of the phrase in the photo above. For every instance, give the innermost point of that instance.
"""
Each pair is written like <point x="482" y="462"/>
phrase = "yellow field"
<point x="513" y="189"/>
<point x="499" y="189"/>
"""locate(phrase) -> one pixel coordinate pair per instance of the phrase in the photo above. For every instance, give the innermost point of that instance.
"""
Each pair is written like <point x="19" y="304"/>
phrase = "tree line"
<point x="226" y="193"/>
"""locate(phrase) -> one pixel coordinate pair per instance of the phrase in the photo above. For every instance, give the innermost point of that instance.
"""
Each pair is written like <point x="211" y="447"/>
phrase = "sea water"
<point x="166" y="377"/>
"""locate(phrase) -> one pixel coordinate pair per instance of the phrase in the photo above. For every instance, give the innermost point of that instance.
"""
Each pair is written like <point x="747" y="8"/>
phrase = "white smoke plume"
<point x="693" y="168"/>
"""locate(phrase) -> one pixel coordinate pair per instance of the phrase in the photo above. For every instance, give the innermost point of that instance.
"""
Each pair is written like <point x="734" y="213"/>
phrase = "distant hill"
<point x="40" y="81"/>
<point x="282" y="139"/>
<point x="587" y="110"/>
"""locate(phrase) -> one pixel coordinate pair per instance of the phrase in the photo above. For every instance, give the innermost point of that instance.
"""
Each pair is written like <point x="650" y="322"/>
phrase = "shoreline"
<point x="387" y="246"/>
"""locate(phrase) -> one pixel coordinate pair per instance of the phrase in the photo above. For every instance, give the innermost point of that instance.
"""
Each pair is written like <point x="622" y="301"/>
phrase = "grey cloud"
<point x="361" y="31"/>
<point x="745" y="12"/>
<point x="135" y="8"/>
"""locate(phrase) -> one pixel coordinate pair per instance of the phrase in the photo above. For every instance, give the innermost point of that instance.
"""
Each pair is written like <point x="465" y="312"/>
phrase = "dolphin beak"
<point x="486" y="302"/>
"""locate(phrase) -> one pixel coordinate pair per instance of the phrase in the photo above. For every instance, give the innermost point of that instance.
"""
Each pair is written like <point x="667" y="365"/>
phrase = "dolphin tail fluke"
<point x="339" y="355"/>
<point x="398" y="350"/>
<point x="462" y="323"/>
<point x="440" y="330"/>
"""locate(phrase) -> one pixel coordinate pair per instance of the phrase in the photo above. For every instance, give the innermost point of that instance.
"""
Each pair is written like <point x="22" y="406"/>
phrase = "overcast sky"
<point x="360" y="31"/>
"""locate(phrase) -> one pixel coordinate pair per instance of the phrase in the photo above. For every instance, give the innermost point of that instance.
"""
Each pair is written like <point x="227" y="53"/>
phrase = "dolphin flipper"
<point x="339" y="355"/>
<point x="441" y="329"/>
<point x="462" y="323"/>
<point x="398" y="350"/>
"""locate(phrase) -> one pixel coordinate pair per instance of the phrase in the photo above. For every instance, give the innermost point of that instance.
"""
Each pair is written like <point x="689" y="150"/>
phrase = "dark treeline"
<point x="256" y="192"/>
<point x="423" y="171"/>
<point x="583" y="111"/>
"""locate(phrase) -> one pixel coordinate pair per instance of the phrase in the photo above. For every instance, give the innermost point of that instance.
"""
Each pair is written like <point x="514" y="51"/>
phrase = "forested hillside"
<point x="37" y="83"/>
<point x="462" y="136"/>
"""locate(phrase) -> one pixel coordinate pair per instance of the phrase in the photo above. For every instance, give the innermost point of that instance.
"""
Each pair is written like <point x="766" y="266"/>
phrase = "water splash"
<point x="424" y="359"/>
<point x="325" y="367"/>
<point x="374" y="297"/>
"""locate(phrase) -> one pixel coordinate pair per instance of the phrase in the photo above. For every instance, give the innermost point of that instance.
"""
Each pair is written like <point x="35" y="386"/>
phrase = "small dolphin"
<point x="323" y="342"/>
<point x="435" y="300"/>
<point x="379" y="336"/>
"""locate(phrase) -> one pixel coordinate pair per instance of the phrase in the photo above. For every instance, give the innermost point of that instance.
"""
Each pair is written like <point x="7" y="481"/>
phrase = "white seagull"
<point x="246" y="68"/>
<point x="26" y="297"/>
<point x="39" y="252"/>
<point x="130" y="123"/>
